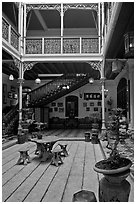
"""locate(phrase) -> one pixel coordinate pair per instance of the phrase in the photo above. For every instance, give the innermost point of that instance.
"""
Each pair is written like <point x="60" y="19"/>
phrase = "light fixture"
<point x="105" y="93"/>
<point x="129" y="44"/>
<point x="11" y="77"/>
<point x="91" y="80"/>
<point x="38" y="81"/>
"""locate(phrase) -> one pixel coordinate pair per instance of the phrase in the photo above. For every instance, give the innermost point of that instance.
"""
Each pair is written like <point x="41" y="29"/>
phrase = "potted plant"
<point x="113" y="186"/>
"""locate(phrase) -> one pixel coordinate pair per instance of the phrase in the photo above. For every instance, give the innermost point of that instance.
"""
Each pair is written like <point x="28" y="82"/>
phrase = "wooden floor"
<point x="41" y="182"/>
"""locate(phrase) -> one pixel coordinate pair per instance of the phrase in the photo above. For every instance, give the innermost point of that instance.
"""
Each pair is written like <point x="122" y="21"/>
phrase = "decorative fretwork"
<point x="14" y="39"/>
<point x="96" y="65"/>
<point x="5" y="30"/>
<point x="33" y="46"/>
<point x="71" y="45"/>
<point x="52" y="46"/>
<point x="90" y="45"/>
<point x="28" y="65"/>
<point x="91" y="6"/>
<point x="43" y="6"/>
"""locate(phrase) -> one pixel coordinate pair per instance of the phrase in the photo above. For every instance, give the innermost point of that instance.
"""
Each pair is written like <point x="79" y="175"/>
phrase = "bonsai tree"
<point x="114" y="161"/>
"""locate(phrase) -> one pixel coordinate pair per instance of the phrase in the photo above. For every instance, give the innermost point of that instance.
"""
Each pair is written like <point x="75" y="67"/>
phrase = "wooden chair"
<point x="56" y="157"/>
<point x="24" y="156"/>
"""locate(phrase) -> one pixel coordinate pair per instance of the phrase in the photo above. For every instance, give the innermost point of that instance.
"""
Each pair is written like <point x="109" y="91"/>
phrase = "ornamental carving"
<point x="91" y="6"/>
<point x="90" y="45"/>
<point x="52" y="46"/>
<point x="5" y="30"/>
<point x="14" y="39"/>
<point x="43" y="6"/>
<point x="71" y="45"/>
<point x="33" y="46"/>
<point x="96" y="65"/>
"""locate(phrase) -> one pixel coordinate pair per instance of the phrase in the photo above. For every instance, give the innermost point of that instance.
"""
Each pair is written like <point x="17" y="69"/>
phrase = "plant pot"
<point x="113" y="187"/>
<point x="94" y="138"/>
<point x="87" y="136"/>
<point x="21" y="138"/>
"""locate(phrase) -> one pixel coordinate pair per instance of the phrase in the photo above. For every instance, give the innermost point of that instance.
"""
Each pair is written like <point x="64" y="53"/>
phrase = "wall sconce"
<point x="129" y="44"/>
<point x="11" y="77"/>
<point x="38" y="81"/>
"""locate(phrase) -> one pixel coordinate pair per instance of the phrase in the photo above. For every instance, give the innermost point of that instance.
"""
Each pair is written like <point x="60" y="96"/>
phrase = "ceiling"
<point x="50" y="19"/>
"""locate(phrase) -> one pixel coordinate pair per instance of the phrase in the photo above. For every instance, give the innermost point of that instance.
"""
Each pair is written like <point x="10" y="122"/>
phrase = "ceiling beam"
<point x="41" y="20"/>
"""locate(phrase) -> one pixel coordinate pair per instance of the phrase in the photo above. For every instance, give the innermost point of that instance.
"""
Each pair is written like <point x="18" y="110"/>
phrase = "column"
<point x="25" y="16"/>
<point x="103" y="97"/>
<point x="131" y="76"/>
<point x="61" y="28"/>
<point x="20" y="81"/>
<point x="103" y="104"/>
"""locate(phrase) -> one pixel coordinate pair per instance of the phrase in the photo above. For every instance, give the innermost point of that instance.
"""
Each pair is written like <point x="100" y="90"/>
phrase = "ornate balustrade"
<point x="9" y="34"/>
<point x="64" y="45"/>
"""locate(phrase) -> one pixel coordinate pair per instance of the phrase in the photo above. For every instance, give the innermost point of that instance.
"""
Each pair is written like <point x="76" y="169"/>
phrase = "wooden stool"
<point x="56" y="159"/>
<point x="64" y="150"/>
<point x="24" y="156"/>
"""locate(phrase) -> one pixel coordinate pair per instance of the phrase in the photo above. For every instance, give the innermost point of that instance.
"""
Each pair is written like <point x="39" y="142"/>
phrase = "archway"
<point x="122" y="95"/>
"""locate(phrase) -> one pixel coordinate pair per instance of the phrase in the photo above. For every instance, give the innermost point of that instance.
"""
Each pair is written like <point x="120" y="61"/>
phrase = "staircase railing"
<point x="9" y="120"/>
<point x="58" y="87"/>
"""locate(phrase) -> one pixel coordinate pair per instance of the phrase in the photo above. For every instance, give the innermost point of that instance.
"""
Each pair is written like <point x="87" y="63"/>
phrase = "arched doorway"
<point x="122" y="95"/>
<point x="71" y="111"/>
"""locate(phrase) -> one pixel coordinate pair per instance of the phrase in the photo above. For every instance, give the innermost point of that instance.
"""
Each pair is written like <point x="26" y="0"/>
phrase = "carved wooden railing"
<point x="62" y="45"/>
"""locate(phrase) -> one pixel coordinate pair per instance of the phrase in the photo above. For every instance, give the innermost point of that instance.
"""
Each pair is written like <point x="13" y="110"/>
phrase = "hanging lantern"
<point x="129" y="44"/>
<point x="38" y="81"/>
<point x="11" y="78"/>
<point x="91" y="80"/>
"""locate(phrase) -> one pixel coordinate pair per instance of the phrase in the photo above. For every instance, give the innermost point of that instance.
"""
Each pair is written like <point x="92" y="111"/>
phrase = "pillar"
<point x="103" y="104"/>
<point x="20" y="81"/>
<point x="62" y="15"/>
<point x="131" y="77"/>
<point x="103" y="97"/>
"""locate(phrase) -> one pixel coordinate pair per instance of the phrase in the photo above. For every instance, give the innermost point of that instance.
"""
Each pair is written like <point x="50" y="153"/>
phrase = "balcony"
<point x="62" y="45"/>
<point x="10" y="35"/>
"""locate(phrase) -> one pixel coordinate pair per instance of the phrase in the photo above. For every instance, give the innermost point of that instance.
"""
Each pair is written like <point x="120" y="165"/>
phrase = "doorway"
<point x="122" y="95"/>
<point x="71" y="111"/>
<point x="71" y="106"/>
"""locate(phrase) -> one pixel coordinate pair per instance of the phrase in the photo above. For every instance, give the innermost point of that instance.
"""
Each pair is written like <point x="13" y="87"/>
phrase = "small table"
<point x="44" y="146"/>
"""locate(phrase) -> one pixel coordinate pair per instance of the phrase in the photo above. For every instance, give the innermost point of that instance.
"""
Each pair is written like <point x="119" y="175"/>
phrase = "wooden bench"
<point x="24" y="156"/>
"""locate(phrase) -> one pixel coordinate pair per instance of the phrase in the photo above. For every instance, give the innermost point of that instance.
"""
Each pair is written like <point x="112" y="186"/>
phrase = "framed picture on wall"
<point x="53" y="104"/>
<point x="55" y="109"/>
<point x="84" y="104"/>
<point x="91" y="103"/>
<point x="99" y="103"/>
<point x="61" y="110"/>
<point x="60" y="104"/>
<point x="4" y="94"/>
<point x="95" y="108"/>
<point x="87" y="108"/>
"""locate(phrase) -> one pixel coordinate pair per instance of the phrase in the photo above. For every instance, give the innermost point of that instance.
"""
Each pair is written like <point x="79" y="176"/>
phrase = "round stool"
<point x="84" y="196"/>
